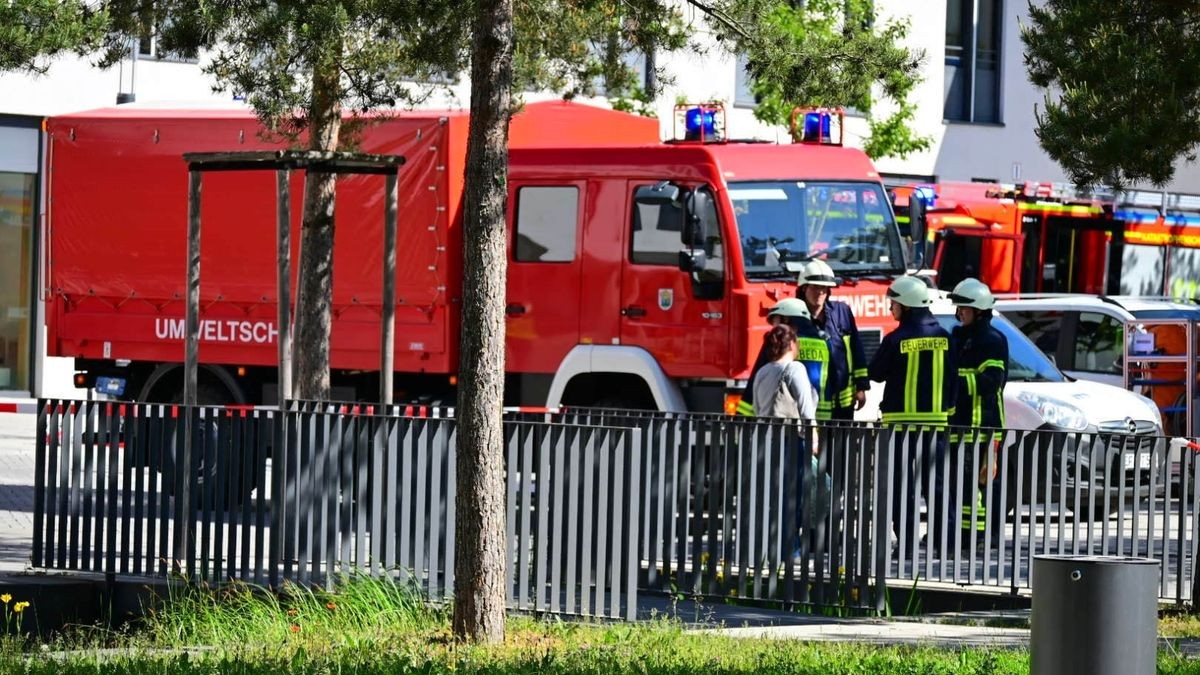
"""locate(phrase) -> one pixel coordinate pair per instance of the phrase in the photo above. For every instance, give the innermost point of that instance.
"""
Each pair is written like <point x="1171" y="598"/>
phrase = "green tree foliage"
<point x="1122" y="81"/>
<point x="827" y="53"/>
<point x="32" y="32"/>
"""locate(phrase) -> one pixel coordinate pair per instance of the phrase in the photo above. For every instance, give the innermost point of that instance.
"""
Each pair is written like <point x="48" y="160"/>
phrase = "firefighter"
<point x="916" y="363"/>
<point x="979" y="412"/>
<point x="811" y="350"/>
<point x="846" y="382"/>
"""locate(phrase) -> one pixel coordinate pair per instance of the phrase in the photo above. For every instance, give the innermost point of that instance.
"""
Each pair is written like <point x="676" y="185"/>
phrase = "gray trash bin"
<point x="1094" y="615"/>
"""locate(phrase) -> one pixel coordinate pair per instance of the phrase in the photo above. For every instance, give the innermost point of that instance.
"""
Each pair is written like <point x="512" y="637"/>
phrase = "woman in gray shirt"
<point x="781" y="386"/>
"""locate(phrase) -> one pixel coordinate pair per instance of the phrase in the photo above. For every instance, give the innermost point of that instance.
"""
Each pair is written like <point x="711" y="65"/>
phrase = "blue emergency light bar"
<point x="817" y="125"/>
<point x="926" y="194"/>
<point x="701" y="122"/>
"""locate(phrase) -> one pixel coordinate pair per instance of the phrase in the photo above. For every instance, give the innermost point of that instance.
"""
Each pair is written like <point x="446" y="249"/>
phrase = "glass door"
<point x="16" y="275"/>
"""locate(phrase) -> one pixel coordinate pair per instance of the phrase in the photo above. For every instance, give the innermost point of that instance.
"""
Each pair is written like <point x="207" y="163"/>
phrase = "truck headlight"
<point x="1055" y="411"/>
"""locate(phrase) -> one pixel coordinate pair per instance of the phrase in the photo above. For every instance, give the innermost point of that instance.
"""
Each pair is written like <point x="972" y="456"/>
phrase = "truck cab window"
<point x="547" y="220"/>
<point x="657" y="229"/>
<point x="705" y="247"/>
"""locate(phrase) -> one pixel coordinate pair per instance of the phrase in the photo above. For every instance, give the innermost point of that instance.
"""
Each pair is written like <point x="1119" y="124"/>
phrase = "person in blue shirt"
<point x="917" y="364"/>
<point x="846" y="382"/>
<point x="979" y="414"/>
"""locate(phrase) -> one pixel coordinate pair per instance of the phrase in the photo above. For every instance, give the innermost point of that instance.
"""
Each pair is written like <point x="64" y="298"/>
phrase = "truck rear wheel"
<point x="210" y="391"/>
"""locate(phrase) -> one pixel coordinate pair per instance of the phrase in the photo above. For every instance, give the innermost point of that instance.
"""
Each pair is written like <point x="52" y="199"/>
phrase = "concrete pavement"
<point x="16" y="489"/>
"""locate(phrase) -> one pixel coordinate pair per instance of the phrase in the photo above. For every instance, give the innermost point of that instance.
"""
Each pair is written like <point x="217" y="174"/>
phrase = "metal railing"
<point x="604" y="504"/>
<point x="308" y="495"/>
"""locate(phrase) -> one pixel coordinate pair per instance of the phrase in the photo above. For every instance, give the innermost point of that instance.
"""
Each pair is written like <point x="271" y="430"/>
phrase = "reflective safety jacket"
<point x="917" y="364"/>
<point x="847" y="360"/>
<point x="813" y="352"/>
<point x="982" y="374"/>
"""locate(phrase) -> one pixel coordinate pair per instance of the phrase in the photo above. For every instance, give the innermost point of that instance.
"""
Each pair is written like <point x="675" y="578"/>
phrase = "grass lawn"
<point x="376" y="626"/>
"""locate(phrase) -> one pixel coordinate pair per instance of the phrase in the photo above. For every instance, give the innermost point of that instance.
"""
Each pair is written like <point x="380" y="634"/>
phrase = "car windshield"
<point x="1026" y="363"/>
<point x="782" y="223"/>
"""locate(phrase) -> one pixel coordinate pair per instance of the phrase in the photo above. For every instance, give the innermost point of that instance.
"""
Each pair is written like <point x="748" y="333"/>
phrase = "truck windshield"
<point x="849" y="224"/>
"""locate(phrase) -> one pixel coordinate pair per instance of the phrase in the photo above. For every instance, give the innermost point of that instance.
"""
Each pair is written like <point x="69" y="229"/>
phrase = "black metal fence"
<point x="308" y="494"/>
<point x="602" y="504"/>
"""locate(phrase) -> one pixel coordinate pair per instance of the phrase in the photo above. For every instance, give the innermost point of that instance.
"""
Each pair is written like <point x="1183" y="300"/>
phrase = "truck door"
<point x="991" y="257"/>
<point x="673" y="298"/>
<point x="542" y="303"/>
<point x="1077" y="255"/>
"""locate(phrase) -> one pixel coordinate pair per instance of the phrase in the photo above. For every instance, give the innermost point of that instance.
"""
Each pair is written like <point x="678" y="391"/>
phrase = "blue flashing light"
<point x="817" y="127"/>
<point x="926" y="194"/>
<point x="701" y="123"/>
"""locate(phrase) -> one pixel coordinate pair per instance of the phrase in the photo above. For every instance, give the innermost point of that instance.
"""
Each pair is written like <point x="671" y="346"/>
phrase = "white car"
<point x="1039" y="396"/>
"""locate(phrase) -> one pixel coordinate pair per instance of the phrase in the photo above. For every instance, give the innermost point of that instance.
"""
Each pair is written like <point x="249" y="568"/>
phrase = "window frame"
<point x="743" y="84"/>
<point x="969" y="63"/>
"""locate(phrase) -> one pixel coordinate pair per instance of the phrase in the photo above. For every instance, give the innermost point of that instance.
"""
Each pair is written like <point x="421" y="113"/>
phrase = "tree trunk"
<point x="480" y="572"/>
<point x="314" y="296"/>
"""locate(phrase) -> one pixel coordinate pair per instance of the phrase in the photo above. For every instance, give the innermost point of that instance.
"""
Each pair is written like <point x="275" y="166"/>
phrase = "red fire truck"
<point x="1030" y="238"/>
<point x="640" y="272"/>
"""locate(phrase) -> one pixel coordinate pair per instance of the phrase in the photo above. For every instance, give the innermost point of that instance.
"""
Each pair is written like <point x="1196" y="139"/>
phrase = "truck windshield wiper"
<point x="770" y="274"/>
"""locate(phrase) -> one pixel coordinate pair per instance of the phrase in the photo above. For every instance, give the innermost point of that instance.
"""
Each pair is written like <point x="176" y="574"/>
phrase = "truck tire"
<point x="208" y="392"/>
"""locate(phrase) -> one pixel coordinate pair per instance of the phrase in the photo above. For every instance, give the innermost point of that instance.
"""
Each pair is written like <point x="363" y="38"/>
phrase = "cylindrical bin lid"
<point x="1094" y="615"/>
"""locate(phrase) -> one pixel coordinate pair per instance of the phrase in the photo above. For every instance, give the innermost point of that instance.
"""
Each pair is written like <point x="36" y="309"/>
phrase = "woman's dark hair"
<point x="778" y="340"/>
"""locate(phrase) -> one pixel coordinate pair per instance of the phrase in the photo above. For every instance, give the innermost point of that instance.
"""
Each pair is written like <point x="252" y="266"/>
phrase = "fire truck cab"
<point x="641" y="276"/>
<point x="1029" y="238"/>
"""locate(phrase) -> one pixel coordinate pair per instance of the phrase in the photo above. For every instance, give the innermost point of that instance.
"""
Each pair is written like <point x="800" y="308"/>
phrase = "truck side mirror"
<point x="916" y="228"/>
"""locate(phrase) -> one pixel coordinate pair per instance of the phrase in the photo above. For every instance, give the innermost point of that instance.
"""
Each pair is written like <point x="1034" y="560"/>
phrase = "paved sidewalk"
<point x="16" y="489"/>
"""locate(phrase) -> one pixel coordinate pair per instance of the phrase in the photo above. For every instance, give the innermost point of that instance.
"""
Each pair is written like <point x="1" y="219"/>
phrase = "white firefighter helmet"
<point x="790" y="307"/>
<point x="816" y="273"/>
<point x="972" y="293"/>
<point x="910" y="291"/>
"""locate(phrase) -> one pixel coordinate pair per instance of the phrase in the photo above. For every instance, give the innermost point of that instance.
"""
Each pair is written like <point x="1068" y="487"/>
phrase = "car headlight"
<point x="1055" y="411"/>
<point x="1152" y="408"/>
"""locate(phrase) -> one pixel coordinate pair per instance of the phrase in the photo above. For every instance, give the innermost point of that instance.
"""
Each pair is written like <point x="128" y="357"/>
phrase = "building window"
<point x="17" y="192"/>
<point x="149" y="48"/>
<point x="547" y="221"/>
<point x="973" y="60"/>
<point x="743" y="94"/>
<point x="640" y="65"/>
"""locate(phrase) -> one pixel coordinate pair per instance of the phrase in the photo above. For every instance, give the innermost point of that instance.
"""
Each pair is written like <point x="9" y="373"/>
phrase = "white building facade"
<point x="975" y="102"/>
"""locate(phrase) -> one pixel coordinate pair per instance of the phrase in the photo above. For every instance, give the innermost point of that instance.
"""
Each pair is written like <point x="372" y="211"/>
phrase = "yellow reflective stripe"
<point x="959" y="220"/>
<point x="939" y="364"/>
<point x="1061" y="208"/>
<point x="910" y="381"/>
<point x="934" y="418"/>
<point x="744" y="408"/>
<point x="815" y="349"/>
<point x="990" y="363"/>
<point x="859" y="373"/>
